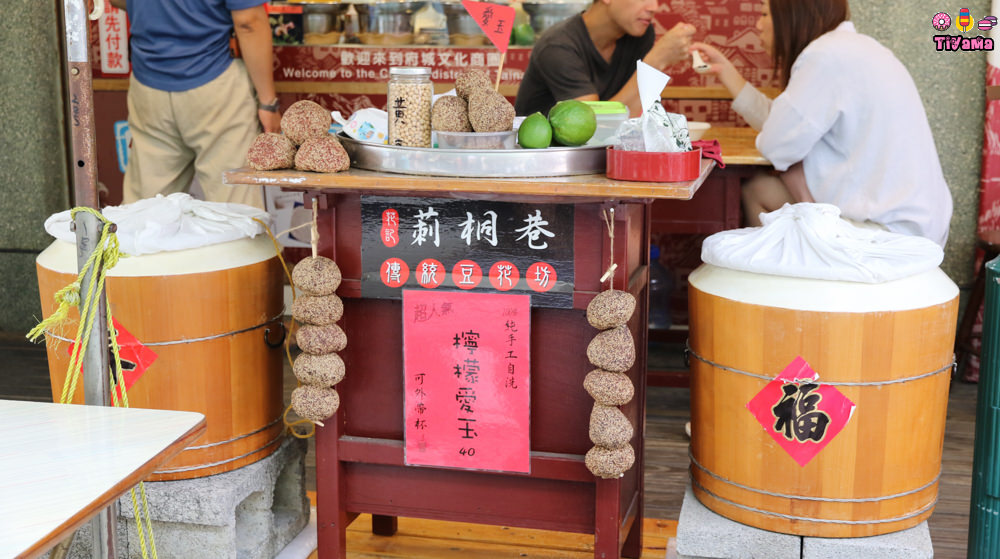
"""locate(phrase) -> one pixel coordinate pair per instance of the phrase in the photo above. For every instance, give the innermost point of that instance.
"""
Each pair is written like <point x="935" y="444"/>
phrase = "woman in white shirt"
<point x="849" y="128"/>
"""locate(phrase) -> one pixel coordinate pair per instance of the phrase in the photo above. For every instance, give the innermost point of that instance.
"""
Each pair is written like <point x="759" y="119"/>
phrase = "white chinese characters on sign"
<point x="534" y="230"/>
<point x="484" y="230"/>
<point x="423" y="229"/>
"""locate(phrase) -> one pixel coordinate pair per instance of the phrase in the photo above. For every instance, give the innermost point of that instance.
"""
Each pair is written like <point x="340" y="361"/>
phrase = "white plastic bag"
<point x="812" y="241"/>
<point x="174" y="222"/>
<point x="656" y="130"/>
<point x="365" y="125"/>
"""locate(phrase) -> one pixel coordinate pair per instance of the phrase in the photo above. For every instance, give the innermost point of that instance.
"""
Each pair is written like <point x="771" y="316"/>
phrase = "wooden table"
<point x="738" y="145"/>
<point x="63" y="463"/>
<point x="717" y="206"/>
<point x="360" y="465"/>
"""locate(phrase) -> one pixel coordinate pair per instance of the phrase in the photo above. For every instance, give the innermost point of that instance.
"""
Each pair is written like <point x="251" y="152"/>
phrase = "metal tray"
<point x="506" y="163"/>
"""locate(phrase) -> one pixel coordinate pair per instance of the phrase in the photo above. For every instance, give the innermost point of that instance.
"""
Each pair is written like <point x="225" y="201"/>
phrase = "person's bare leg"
<point x="762" y="194"/>
<point x="795" y="181"/>
<point x="766" y="193"/>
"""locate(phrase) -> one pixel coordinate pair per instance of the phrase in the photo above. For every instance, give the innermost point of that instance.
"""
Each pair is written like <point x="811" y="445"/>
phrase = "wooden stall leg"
<point x="632" y="547"/>
<point x="331" y="514"/>
<point x="607" y="519"/>
<point x="383" y="525"/>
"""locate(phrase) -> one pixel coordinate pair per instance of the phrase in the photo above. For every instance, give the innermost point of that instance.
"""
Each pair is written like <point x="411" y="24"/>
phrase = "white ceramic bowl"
<point x="697" y="129"/>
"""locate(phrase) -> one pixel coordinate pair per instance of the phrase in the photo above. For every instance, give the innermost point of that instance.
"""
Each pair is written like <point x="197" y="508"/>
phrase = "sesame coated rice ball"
<point x="316" y="275"/>
<point x="315" y="403"/>
<point x="320" y="340"/>
<point x="609" y="427"/>
<point x="318" y="370"/>
<point x="305" y="119"/>
<point x="471" y="80"/>
<point x="450" y="114"/>
<point x="609" y="389"/>
<point x="609" y="463"/>
<point x="269" y="151"/>
<point x="610" y="308"/>
<point x="323" y="154"/>
<point x="490" y="111"/>
<point x="321" y="310"/>
<point x="612" y="350"/>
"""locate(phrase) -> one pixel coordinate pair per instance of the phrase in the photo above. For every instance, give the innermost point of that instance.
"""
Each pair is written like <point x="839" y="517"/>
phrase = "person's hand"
<point x="717" y="62"/>
<point x="270" y="120"/>
<point x="672" y="47"/>
<point x="721" y="66"/>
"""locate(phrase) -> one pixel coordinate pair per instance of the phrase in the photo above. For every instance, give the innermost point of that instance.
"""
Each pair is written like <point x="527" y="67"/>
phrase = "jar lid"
<point x="409" y="71"/>
<point x="607" y="107"/>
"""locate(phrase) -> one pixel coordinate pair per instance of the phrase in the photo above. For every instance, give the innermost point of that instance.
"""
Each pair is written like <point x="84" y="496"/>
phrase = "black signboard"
<point x="431" y="243"/>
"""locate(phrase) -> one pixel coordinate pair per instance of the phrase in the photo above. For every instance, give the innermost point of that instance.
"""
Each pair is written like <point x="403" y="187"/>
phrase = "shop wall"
<point x="952" y="85"/>
<point x="33" y="176"/>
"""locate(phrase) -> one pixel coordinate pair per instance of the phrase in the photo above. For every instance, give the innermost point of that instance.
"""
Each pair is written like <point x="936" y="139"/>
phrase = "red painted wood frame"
<point x="359" y="452"/>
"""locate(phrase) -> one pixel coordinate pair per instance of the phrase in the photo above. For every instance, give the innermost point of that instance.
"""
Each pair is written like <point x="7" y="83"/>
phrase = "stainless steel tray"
<point x="480" y="163"/>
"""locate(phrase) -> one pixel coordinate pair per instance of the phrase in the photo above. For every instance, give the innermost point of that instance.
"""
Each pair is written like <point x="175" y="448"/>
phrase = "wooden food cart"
<point x="360" y="452"/>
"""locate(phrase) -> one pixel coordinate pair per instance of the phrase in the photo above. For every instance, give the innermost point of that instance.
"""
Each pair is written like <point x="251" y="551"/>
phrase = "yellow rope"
<point x="290" y="425"/>
<point x="104" y="257"/>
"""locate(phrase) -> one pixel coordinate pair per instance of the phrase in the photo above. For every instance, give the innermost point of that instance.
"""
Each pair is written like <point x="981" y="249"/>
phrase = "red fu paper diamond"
<point x="801" y="414"/>
<point x="136" y="357"/>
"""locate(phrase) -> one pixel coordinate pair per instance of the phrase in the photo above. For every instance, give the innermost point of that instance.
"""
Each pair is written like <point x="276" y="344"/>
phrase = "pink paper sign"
<point x="495" y="20"/>
<point x="800" y="413"/>
<point x="466" y="364"/>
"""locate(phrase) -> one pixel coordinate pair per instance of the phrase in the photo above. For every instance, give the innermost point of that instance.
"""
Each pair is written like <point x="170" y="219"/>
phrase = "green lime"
<point x="573" y="122"/>
<point x="524" y="35"/>
<point x="535" y="132"/>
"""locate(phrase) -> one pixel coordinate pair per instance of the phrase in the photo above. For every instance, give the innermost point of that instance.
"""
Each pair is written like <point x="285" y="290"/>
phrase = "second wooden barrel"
<point x="204" y="313"/>
<point x="885" y="347"/>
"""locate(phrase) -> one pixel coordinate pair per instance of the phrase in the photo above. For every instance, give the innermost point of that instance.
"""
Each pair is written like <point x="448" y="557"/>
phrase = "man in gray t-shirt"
<point x="592" y="56"/>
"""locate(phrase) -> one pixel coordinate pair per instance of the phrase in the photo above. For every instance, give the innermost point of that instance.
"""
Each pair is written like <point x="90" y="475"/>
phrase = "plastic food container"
<point x="476" y="140"/>
<point x="609" y="115"/>
<point x="654" y="166"/>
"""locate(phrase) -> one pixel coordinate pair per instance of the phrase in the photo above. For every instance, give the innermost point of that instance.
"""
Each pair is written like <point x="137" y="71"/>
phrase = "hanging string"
<point x="609" y="273"/>
<point x="310" y="425"/>
<point x="314" y="230"/>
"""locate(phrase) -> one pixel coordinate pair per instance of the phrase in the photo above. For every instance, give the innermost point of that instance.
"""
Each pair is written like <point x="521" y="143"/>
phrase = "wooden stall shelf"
<point x="360" y="452"/>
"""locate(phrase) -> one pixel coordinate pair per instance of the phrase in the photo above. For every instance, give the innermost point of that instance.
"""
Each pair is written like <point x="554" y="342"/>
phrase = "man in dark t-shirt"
<point x="591" y="56"/>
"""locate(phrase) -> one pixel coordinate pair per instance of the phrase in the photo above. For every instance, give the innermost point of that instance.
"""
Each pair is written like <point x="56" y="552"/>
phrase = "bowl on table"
<point x="476" y="140"/>
<point x="697" y="129"/>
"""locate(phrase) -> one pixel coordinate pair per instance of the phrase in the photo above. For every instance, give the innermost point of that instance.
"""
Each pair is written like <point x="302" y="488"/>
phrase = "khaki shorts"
<point x="178" y="136"/>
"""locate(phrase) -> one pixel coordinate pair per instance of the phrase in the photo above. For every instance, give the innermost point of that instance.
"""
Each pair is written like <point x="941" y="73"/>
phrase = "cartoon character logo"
<point x="964" y="22"/>
<point x="987" y="23"/>
<point x="941" y="21"/>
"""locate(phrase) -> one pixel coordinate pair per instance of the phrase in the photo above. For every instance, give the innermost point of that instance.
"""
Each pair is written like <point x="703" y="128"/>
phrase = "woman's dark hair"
<point x="797" y="23"/>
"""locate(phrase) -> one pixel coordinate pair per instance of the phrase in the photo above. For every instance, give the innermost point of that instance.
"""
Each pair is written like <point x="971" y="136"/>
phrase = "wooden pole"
<point x="503" y="57"/>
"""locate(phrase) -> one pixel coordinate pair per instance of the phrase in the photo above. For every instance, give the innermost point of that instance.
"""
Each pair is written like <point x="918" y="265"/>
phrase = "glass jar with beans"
<point x="409" y="106"/>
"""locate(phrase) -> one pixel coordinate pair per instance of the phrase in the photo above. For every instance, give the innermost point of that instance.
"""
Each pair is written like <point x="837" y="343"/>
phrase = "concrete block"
<point x="703" y="534"/>
<point x="912" y="543"/>
<point x="249" y="513"/>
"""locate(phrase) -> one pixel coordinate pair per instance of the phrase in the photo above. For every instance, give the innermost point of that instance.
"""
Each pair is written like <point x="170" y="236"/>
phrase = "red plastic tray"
<point x="654" y="166"/>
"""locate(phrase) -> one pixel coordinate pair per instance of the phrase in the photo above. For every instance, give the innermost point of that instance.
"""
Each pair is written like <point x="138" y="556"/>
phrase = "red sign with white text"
<point x="495" y="20"/>
<point x="466" y="366"/>
<point x="801" y="414"/>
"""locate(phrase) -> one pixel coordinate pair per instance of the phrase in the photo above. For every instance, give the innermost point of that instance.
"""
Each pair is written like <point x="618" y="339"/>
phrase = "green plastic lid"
<point x="607" y="107"/>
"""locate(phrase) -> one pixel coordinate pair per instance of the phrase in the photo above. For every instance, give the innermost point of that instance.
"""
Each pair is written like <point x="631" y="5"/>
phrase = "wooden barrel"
<point x="888" y="348"/>
<point x="204" y="313"/>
